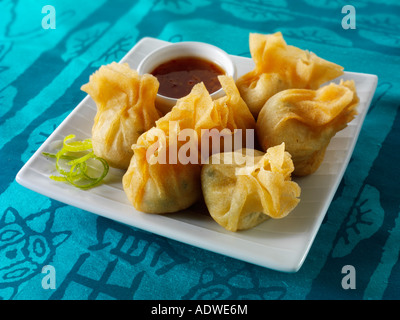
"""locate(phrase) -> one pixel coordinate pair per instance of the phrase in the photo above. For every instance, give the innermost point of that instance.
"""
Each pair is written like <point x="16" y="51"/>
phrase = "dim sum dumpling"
<point x="164" y="173"/>
<point x="226" y="115"/>
<point x="125" y="109"/>
<point x="306" y="120"/>
<point x="279" y="66"/>
<point x="156" y="181"/>
<point x="244" y="188"/>
<point x="155" y="185"/>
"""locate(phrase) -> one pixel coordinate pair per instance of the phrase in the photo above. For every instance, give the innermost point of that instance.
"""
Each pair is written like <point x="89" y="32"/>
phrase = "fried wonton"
<point x="164" y="173"/>
<point x="244" y="188"/>
<point x="279" y="66"/>
<point x="306" y="120"/>
<point x="125" y="109"/>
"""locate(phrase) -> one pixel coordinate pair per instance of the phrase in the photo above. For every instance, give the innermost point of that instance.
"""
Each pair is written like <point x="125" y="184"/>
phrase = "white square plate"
<point x="277" y="244"/>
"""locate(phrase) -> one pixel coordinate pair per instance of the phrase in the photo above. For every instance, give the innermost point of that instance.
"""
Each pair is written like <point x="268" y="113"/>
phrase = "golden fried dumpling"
<point x="164" y="173"/>
<point x="227" y="114"/>
<point x="244" y="188"/>
<point x="152" y="183"/>
<point x="279" y="66"/>
<point x="306" y="120"/>
<point x="125" y="109"/>
<point x="157" y="181"/>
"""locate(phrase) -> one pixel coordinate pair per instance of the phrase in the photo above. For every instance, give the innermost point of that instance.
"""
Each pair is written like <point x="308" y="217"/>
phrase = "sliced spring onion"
<point x="75" y="155"/>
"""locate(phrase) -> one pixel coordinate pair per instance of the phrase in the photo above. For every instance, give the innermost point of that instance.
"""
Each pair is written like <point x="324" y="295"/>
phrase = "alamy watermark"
<point x="185" y="147"/>
<point x="49" y="20"/>
<point x="349" y="20"/>
<point x="49" y="279"/>
<point x="349" y="280"/>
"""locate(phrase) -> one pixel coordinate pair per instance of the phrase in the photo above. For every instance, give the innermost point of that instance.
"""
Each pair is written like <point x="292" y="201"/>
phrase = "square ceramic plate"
<point x="277" y="244"/>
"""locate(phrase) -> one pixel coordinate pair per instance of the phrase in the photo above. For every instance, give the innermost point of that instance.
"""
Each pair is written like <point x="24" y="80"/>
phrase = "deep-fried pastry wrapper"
<point x="156" y="186"/>
<point x="242" y="190"/>
<point x="125" y="109"/>
<point x="224" y="115"/>
<point x="199" y="112"/>
<point x="279" y="66"/>
<point x="160" y="186"/>
<point x="306" y="120"/>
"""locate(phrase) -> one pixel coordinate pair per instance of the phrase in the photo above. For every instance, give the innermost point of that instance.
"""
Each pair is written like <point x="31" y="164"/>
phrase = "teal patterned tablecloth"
<point x="41" y="72"/>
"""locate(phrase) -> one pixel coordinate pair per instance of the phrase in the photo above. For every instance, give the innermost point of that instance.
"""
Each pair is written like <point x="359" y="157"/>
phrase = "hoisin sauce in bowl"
<point x="179" y="66"/>
<point x="178" y="76"/>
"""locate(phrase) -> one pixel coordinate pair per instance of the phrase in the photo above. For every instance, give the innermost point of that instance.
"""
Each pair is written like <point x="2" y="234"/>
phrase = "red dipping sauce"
<point x="178" y="76"/>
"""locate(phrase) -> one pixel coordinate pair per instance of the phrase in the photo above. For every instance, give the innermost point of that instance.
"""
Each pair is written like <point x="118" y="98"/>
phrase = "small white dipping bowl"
<point x="186" y="49"/>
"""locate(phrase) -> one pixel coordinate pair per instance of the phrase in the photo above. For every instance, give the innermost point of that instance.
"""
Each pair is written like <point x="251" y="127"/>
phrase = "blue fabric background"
<point x="41" y="72"/>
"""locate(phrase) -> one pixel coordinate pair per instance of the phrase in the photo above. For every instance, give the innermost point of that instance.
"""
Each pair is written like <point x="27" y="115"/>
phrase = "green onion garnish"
<point x="76" y="154"/>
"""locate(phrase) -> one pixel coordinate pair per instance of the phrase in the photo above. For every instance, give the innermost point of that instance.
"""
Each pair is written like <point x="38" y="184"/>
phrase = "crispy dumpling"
<point x="156" y="181"/>
<point x="279" y="66"/>
<point x="306" y="120"/>
<point x="227" y="114"/>
<point x="244" y="188"/>
<point x="164" y="173"/>
<point x="155" y="185"/>
<point x="125" y="109"/>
